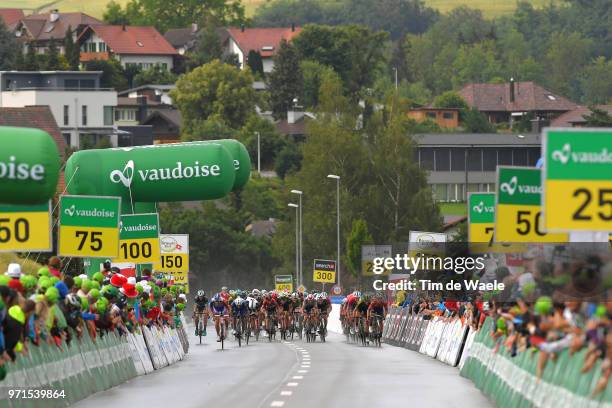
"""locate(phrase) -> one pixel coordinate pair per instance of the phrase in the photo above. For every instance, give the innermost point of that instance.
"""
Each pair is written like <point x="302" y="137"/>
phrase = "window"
<point x="457" y="159"/>
<point x="504" y="157"/>
<point x="102" y="47"/>
<point x="430" y="115"/>
<point x="474" y="160"/>
<point x="489" y="162"/>
<point x="87" y="84"/>
<point x="440" y="191"/>
<point x="108" y="116"/>
<point x="84" y="115"/>
<point x="66" y="115"/>
<point x="448" y="115"/>
<point x="442" y="159"/>
<point x="67" y="138"/>
<point x="534" y="155"/>
<point x="71" y="84"/>
<point x="519" y="157"/>
<point x="164" y="66"/>
<point x="427" y="158"/>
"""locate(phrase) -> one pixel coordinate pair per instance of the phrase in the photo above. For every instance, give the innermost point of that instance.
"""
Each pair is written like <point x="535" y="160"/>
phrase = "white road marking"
<point x="302" y="371"/>
<point x="286" y="393"/>
<point x="297" y="377"/>
<point x="292" y="384"/>
<point x="277" y="403"/>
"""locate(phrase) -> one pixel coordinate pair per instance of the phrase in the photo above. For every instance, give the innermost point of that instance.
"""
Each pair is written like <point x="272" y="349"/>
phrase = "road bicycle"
<point x="362" y="330"/>
<point x="254" y="326"/>
<point x="272" y="324"/>
<point x="201" y="325"/>
<point x="376" y="333"/>
<point x="222" y="328"/>
<point x="298" y="324"/>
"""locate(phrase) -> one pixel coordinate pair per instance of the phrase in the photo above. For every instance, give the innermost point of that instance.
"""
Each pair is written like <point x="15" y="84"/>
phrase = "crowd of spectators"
<point x="59" y="308"/>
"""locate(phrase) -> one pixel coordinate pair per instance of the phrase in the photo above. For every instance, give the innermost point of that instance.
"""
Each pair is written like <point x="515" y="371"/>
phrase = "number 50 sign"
<point x="89" y="226"/>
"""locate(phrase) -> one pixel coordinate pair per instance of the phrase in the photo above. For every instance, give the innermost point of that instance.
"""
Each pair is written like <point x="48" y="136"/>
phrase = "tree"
<point x="566" y="56"/>
<point x="475" y="122"/>
<point x="215" y="90"/>
<point x="358" y="236"/>
<point x="112" y="73"/>
<point x="476" y="63"/>
<point x="598" y="118"/>
<point x="8" y="48"/>
<point x="271" y="142"/>
<point x="208" y="45"/>
<point x="449" y="99"/>
<point x="285" y="80"/>
<point x="30" y="62"/>
<point x="313" y="73"/>
<point x="289" y="160"/>
<point x="53" y="62"/>
<point x="255" y="63"/>
<point x="596" y="81"/>
<point x="155" y="75"/>
<point x="114" y="14"/>
<point x="71" y="50"/>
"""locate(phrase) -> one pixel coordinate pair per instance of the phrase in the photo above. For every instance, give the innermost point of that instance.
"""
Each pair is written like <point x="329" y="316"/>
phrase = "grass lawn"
<point x="453" y="209"/>
<point x="490" y="8"/>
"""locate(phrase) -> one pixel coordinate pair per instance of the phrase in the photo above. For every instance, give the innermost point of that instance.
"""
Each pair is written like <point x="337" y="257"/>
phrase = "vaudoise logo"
<point x="511" y="186"/>
<point x="565" y="154"/>
<point x="180" y="171"/>
<point x="480" y="208"/>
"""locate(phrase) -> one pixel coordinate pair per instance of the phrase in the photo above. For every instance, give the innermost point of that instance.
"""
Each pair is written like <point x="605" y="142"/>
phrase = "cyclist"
<point x="269" y="307"/>
<point x="240" y="308"/>
<point x="377" y="307"/>
<point x="219" y="308"/>
<point x="286" y="308"/>
<point x="253" y="304"/>
<point x="361" y="310"/>
<point x="351" y="302"/>
<point x="200" y="308"/>
<point x="309" y="309"/>
<point x="324" y="307"/>
<point x="224" y="293"/>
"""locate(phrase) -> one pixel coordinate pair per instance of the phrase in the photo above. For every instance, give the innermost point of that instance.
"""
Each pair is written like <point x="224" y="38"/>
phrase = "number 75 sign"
<point x="89" y="226"/>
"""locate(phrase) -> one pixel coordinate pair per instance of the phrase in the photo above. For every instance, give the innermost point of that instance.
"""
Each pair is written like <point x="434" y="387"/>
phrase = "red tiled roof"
<point x="138" y="40"/>
<point x="529" y="97"/>
<point x="42" y="28"/>
<point x="39" y="117"/>
<point x="576" y="116"/>
<point x="257" y="38"/>
<point x="11" y="15"/>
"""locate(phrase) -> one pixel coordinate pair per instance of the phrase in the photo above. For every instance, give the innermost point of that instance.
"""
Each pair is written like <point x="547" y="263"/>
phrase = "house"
<point x="166" y="124"/>
<point x="510" y="101"/>
<point x="40" y="30"/>
<point x="266" y="41"/>
<point x="262" y="228"/>
<point x="11" y="16"/>
<point x="82" y="109"/>
<point x="143" y="47"/>
<point x="460" y="162"/>
<point x="575" y="117"/>
<point x="153" y="93"/>
<point x="446" y="118"/>
<point x="185" y="40"/>
<point x="39" y="117"/>
<point x="294" y="126"/>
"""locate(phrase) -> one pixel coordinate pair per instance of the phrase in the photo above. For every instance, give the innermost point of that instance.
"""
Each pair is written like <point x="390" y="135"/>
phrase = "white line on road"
<point x="302" y="371"/>
<point x="297" y="377"/>
<point x="292" y="384"/>
<point x="277" y="403"/>
<point x="286" y="393"/>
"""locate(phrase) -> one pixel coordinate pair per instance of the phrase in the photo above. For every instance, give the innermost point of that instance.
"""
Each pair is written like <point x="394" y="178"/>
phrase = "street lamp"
<point x="297" y="246"/>
<point x="300" y="269"/>
<point x="258" y="153"/>
<point x="337" y="178"/>
<point x="394" y="69"/>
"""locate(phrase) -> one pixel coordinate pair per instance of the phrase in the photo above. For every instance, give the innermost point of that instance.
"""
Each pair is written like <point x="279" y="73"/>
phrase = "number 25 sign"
<point x="89" y="226"/>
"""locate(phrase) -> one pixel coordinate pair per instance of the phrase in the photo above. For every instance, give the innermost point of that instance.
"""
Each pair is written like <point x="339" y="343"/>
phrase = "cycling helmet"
<point x="378" y="295"/>
<point x="216" y="298"/>
<point x="324" y="295"/>
<point x="242" y="294"/>
<point x="317" y="296"/>
<point x="310" y="297"/>
<point x="200" y="293"/>
<point x="357" y="293"/>
<point x="256" y="292"/>
<point x="264" y="292"/>
<point x="224" y="288"/>
<point x="232" y="293"/>
<point x="73" y="300"/>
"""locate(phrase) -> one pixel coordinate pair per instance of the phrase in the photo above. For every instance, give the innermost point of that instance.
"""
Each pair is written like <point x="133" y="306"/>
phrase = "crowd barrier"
<point x="512" y="382"/>
<point x="85" y="367"/>
<point x="438" y="338"/>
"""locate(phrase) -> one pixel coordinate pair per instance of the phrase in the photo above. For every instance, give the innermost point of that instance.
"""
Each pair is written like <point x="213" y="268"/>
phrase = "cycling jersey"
<point x="252" y="303"/>
<point x="219" y="307"/>
<point x="309" y="305"/>
<point x="284" y="303"/>
<point x="362" y="306"/>
<point x="240" y="307"/>
<point x="323" y="305"/>
<point x="378" y="306"/>
<point x="270" y="304"/>
<point x="201" y="303"/>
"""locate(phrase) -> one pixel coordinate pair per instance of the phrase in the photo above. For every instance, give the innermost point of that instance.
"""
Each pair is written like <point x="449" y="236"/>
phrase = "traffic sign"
<point x="283" y="283"/>
<point x="139" y="238"/>
<point x="89" y="226"/>
<point x="481" y="225"/>
<point x="368" y="253"/>
<point x="430" y="245"/>
<point x="174" y="253"/>
<point x="577" y="179"/>
<point x="518" y="212"/>
<point x="324" y="271"/>
<point x="336" y="290"/>
<point x="26" y="228"/>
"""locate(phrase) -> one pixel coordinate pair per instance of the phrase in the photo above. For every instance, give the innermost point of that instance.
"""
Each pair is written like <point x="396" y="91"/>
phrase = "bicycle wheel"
<point x="239" y="332"/>
<point x="222" y="335"/>
<point x="200" y="329"/>
<point x="247" y="331"/>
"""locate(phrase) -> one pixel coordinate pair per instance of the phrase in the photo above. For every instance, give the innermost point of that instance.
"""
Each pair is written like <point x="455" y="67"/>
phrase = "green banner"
<point x="86" y="211"/>
<point x="283" y="279"/>
<point x="139" y="226"/>
<point x="578" y="154"/>
<point x="519" y="185"/>
<point x="481" y="208"/>
<point x="24" y="208"/>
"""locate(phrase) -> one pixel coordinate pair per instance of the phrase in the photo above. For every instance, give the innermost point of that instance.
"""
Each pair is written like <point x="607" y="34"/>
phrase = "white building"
<point x="83" y="110"/>
<point x="143" y="47"/>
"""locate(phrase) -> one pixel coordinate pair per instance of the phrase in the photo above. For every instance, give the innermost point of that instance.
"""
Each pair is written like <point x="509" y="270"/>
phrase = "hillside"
<point x="490" y="8"/>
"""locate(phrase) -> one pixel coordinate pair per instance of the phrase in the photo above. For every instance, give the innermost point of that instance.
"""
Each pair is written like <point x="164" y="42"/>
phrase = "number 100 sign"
<point x="89" y="226"/>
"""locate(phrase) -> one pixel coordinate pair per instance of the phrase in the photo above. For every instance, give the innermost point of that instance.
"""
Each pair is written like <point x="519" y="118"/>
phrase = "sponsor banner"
<point x="426" y="244"/>
<point x="283" y="283"/>
<point x="139" y="238"/>
<point x="368" y="253"/>
<point x="89" y="226"/>
<point x="324" y="271"/>
<point x="577" y="179"/>
<point x="26" y="228"/>
<point x="518" y="215"/>
<point x="174" y="253"/>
